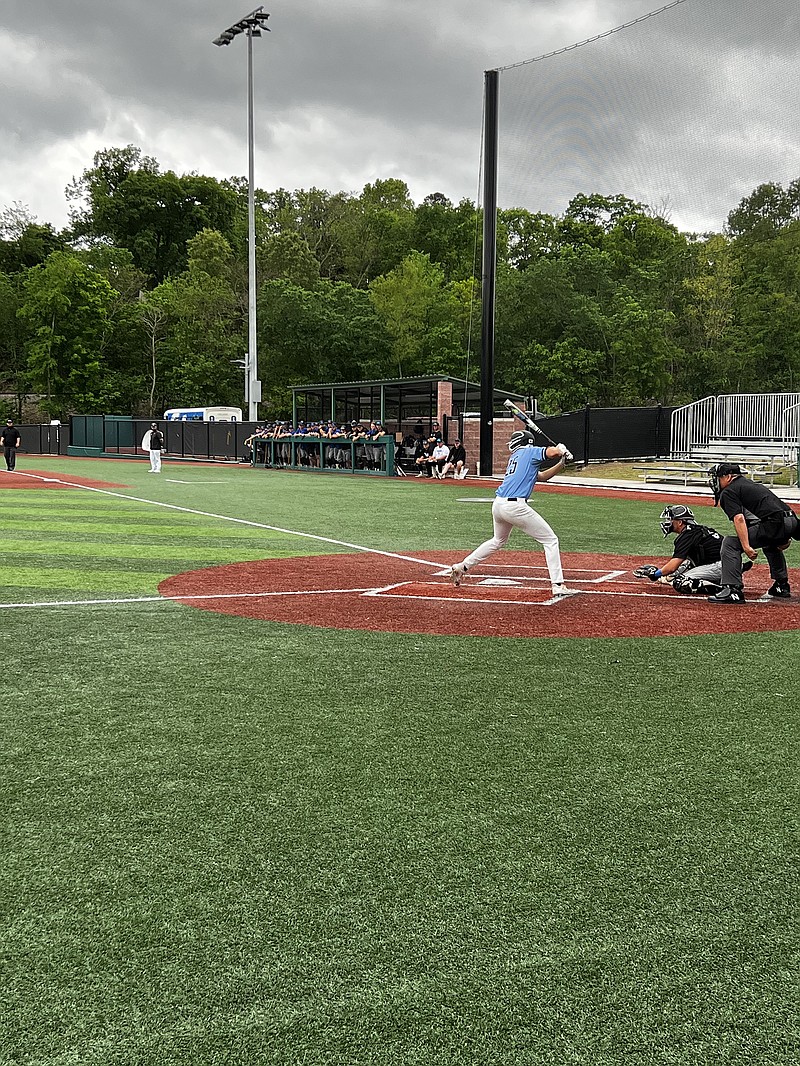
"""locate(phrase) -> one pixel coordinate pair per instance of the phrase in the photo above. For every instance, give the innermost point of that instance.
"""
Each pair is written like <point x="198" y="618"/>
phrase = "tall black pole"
<point x="490" y="138"/>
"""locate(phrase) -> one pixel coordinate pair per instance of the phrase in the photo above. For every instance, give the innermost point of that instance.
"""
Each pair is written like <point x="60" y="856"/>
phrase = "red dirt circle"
<point x="507" y="597"/>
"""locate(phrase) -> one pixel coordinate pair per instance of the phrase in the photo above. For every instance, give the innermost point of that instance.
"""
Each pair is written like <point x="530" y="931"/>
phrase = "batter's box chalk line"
<point x="391" y="593"/>
<point x="519" y="578"/>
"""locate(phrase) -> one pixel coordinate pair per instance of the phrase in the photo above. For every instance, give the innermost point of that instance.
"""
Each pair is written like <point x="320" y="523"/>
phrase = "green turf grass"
<point x="229" y="841"/>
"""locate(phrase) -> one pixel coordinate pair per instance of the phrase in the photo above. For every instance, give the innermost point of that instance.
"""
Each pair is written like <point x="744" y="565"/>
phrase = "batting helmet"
<point x="519" y="438"/>
<point x="676" y="512"/>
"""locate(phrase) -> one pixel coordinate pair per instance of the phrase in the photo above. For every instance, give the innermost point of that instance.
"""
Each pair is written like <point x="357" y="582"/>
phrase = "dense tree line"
<point x="141" y="303"/>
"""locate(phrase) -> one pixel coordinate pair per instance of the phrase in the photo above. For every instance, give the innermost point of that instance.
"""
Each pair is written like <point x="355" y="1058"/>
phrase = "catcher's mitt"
<point x="647" y="571"/>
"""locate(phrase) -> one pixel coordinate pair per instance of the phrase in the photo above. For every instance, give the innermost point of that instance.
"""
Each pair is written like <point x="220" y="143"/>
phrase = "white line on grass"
<point x="182" y="599"/>
<point x="239" y="521"/>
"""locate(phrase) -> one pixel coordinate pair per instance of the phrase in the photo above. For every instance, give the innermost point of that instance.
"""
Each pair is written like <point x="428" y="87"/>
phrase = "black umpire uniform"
<point x="10" y="438"/>
<point x="762" y="521"/>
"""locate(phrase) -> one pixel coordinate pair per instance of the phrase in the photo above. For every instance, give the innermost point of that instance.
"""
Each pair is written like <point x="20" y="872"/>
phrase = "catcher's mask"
<point x="676" y="512"/>
<point x="519" y="438"/>
<point x="718" y="471"/>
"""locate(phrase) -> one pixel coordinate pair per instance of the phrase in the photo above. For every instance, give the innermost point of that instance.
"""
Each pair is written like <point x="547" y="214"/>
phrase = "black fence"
<point x="593" y="433"/>
<point x="612" y="432"/>
<point x="44" y="439"/>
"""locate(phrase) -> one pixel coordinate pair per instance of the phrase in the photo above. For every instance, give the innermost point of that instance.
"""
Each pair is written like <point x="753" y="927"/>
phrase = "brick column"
<point x="444" y="401"/>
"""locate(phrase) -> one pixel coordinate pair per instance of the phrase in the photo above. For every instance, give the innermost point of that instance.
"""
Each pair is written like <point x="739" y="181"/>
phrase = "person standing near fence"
<point x="11" y="441"/>
<point x="153" y="442"/>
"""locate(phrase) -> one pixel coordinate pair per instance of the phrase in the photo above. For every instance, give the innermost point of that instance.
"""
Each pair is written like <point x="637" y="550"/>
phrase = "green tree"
<point x="12" y="351"/>
<point x="203" y="332"/>
<point x="287" y="255"/>
<point x="768" y="209"/>
<point x="426" y="318"/>
<point x="448" y="235"/>
<point x="125" y="199"/>
<point x="375" y="230"/>
<point x="331" y="333"/>
<point x="67" y="308"/>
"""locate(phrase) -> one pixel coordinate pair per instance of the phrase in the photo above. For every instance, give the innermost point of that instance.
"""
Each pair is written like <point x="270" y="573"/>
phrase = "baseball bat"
<point x="529" y="422"/>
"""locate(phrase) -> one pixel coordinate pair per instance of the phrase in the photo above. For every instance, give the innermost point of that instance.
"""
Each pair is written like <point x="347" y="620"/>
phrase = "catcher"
<point x="695" y="565"/>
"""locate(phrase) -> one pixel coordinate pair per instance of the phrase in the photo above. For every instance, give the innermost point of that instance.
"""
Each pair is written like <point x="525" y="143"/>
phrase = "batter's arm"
<point x="551" y="471"/>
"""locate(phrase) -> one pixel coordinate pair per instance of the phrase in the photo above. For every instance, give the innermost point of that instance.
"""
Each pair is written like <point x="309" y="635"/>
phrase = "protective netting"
<point x="687" y="111"/>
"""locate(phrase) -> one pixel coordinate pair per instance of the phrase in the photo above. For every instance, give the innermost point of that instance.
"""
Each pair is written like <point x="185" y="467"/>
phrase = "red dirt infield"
<point x="507" y="597"/>
<point x="46" y="479"/>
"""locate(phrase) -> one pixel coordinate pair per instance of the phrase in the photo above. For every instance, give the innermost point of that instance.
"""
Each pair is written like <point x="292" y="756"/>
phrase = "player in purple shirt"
<point x="510" y="508"/>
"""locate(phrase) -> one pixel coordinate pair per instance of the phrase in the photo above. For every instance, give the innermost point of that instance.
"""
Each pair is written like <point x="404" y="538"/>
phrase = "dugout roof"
<point x="398" y="403"/>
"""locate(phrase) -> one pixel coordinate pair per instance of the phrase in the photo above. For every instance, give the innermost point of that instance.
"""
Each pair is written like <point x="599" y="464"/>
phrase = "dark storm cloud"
<point x="350" y="91"/>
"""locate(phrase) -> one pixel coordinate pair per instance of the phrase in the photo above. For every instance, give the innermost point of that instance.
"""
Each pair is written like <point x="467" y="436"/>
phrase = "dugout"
<point x="401" y="405"/>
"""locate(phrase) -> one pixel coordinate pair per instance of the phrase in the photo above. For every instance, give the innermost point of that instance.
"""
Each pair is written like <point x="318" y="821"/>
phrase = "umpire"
<point x="761" y="520"/>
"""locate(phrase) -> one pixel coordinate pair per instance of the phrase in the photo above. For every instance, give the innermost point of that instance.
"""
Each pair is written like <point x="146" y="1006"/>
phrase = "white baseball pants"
<point x="506" y="514"/>
<point x="155" y="461"/>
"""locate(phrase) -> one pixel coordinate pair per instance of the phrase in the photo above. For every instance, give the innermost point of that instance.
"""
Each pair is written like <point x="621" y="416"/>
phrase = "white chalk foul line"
<point x="238" y="521"/>
<point x="188" y="596"/>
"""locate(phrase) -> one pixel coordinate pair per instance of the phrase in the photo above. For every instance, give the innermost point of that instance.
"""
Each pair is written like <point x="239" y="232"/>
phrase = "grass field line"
<point x="239" y="521"/>
<point x="181" y="599"/>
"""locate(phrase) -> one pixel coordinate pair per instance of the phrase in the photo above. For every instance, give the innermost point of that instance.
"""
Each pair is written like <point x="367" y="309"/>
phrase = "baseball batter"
<point x="510" y="508"/>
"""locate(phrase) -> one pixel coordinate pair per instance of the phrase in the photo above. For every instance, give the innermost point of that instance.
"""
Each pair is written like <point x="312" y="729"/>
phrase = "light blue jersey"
<point x="522" y="471"/>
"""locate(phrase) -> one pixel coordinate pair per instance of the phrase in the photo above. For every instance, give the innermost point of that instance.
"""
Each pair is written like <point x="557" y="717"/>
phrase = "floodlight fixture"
<point x="251" y="24"/>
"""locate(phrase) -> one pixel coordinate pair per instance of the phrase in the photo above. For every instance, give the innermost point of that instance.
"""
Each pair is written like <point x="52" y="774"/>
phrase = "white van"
<point x="203" y="414"/>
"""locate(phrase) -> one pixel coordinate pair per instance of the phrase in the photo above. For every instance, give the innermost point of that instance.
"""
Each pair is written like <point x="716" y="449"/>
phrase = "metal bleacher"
<point x="759" y="431"/>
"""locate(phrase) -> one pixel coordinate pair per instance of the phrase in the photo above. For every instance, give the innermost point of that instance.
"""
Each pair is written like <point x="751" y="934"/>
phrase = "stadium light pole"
<point x="251" y="25"/>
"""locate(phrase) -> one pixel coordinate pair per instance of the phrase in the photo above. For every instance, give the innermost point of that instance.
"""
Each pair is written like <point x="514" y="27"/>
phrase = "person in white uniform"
<point x="510" y="508"/>
<point x="153" y="443"/>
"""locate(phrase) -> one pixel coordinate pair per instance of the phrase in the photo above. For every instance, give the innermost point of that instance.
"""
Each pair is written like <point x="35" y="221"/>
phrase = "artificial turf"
<point x="230" y="841"/>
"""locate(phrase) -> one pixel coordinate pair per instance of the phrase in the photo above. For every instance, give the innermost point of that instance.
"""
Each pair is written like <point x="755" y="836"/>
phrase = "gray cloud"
<point x="691" y="106"/>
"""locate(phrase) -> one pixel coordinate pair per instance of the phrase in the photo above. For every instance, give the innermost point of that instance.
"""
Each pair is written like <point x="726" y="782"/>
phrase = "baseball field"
<point x="275" y="792"/>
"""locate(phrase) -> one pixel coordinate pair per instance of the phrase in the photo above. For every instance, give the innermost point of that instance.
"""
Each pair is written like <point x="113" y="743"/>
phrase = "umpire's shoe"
<point x="728" y="594"/>
<point x="780" y="591"/>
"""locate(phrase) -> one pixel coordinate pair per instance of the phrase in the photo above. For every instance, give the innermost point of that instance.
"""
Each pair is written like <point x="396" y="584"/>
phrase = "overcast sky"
<point x="693" y="108"/>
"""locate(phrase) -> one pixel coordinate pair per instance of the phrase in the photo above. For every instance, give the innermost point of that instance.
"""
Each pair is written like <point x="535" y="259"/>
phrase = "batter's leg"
<point x="535" y="526"/>
<point x="502" y="531"/>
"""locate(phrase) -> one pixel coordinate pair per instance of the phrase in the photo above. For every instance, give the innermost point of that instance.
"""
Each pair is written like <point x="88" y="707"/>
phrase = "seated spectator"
<point x="439" y="457"/>
<point x="456" y="462"/>
<point x="424" y="457"/>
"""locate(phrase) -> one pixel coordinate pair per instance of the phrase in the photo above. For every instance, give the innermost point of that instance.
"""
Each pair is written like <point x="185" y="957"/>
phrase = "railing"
<point x="753" y="415"/>
<point x="692" y="426"/>
<point x="790" y="434"/>
<point x="744" y="416"/>
<point x="314" y="453"/>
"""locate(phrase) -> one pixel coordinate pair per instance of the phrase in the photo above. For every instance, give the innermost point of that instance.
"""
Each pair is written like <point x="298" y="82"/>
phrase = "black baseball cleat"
<point x="728" y="594"/>
<point x="780" y="592"/>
